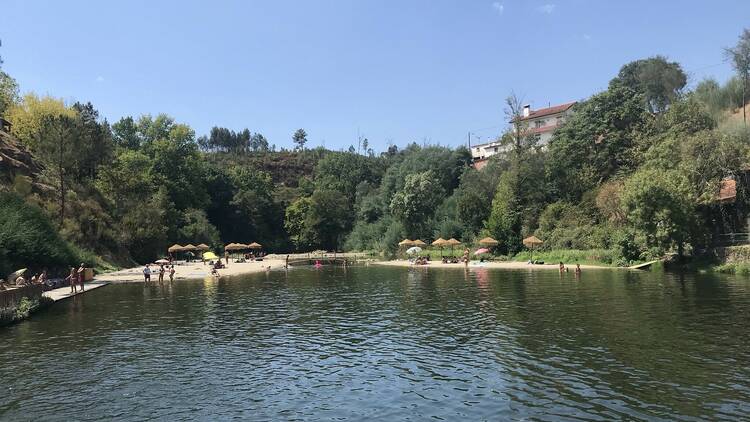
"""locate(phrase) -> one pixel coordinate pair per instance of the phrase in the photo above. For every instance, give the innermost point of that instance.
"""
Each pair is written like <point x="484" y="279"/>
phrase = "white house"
<point x="542" y="122"/>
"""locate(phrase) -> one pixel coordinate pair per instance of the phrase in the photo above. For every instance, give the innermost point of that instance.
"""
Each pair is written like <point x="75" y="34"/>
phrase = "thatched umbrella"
<point x="189" y="247"/>
<point x="488" y="241"/>
<point x="255" y="245"/>
<point x="174" y="248"/>
<point x="439" y="243"/>
<point x="532" y="242"/>
<point x="234" y="247"/>
<point x="452" y="242"/>
<point x="406" y="242"/>
<point x="203" y="247"/>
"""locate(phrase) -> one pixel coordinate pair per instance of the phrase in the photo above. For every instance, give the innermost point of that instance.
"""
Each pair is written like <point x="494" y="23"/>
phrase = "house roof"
<point x="727" y="190"/>
<point x="534" y="114"/>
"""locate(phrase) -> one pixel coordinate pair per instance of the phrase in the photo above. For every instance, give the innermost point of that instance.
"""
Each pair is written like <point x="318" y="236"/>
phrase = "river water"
<point x="381" y="343"/>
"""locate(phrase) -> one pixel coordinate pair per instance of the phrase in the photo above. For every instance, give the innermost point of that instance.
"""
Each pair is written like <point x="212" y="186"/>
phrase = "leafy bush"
<point x="28" y="239"/>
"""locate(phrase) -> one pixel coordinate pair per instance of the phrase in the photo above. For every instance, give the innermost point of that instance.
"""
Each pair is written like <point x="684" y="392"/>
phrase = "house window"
<point x="539" y="123"/>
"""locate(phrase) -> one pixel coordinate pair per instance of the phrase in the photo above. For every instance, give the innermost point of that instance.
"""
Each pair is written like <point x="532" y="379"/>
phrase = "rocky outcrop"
<point x="16" y="160"/>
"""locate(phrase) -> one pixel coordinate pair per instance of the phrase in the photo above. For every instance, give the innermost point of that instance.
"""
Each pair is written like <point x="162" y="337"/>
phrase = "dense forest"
<point x="635" y="172"/>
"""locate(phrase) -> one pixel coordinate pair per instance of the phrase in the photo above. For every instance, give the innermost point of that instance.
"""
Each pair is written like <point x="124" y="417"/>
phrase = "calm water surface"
<point x="388" y="344"/>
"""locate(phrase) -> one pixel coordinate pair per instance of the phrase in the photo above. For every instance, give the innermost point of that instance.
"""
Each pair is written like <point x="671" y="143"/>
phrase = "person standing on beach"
<point x="171" y="273"/>
<point x="147" y="274"/>
<point x="72" y="278"/>
<point x="82" y="274"/>
<point x="226" y="257"/>
<point x="161" y="273"/>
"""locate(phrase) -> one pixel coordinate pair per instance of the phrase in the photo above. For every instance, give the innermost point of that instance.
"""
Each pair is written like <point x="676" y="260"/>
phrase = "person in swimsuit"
<point x="161" y="273"/>
<point x="72" y="278"/>
<point x="81" y="274"/>
<point x="171" y="273"/>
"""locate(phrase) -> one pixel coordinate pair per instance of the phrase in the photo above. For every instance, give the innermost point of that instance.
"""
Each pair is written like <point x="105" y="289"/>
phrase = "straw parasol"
<point x="452" y="242"/>
<point x="532" y="242"/>
<point x="440" y="242"/>
<point x="188" y="247"/>
<point x="406" y="242"/>
<point x="419" y="243"/>
<point x="174" y="248"/>
<point x="488" y="241"/>
<point x="202" y="247"/>
<point x="235" y="247"/>
<point x="255" y="245"/>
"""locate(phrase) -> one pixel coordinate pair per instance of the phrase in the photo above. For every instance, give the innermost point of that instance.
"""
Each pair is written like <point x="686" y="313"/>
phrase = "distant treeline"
<point x="635" y="170"/>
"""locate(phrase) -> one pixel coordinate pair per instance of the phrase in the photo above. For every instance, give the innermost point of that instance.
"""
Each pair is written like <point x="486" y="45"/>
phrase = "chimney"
<point x="526" y="110"/>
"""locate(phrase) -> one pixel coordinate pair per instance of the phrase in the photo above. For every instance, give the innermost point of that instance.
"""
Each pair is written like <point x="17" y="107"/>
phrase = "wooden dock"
<point x="64" y="292"/>
<point x="644" y="266"/>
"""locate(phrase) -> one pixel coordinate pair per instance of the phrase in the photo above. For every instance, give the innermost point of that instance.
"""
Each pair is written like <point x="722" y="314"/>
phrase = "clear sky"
<point x="394" y="70"/>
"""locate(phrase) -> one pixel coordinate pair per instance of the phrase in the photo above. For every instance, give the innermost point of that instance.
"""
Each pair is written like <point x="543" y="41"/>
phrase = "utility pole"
<point x="468" y="138"/>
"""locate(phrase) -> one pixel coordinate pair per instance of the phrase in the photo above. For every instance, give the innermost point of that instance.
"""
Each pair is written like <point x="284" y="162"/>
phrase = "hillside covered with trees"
<point x="636" y="172"/>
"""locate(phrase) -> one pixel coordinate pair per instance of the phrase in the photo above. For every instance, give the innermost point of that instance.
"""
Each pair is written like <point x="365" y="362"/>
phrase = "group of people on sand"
<point x="161" y="271"/>
<point x="564" y="269"/>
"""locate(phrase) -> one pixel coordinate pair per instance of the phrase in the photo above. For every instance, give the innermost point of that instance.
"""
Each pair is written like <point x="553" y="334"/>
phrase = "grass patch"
<point x="605" y="257"/>
<point x="741" y="268"/>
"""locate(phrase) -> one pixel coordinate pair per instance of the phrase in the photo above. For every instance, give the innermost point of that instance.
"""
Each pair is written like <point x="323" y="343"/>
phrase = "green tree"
<point x="739" y="56"/>
<point x="416" y="202"/>
<point x="300" y="138"/>
<point x="657" y="79"/>
<point x="126" y="181"/>
<point x="327" y="218"/>
<point x="505" y="223"/>
<point x="125" y="133"/>
<point x="295" y="218"/>
<point x="8" y="92"/>
<point x="596" y="143"/>
<point x="197" y="229"/>
<point x="659" y="203"/>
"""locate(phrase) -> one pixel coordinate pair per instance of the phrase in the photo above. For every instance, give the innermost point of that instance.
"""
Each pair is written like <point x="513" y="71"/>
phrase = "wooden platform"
<point x="644" y="266"/>
<point x="64" y="292"/>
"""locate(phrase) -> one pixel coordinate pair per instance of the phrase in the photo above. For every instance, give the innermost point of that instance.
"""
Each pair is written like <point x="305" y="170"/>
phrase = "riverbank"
<point x="502" y="265"/>
<point x="191" y="270"/>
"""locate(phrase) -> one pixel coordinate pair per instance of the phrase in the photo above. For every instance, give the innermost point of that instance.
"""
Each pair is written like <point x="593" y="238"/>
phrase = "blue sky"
<point x="396" y="71"/>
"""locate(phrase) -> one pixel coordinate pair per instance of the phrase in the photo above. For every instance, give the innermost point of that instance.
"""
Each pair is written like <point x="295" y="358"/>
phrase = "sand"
<point x="190" y="270"/>
<point x="505" y="264"/>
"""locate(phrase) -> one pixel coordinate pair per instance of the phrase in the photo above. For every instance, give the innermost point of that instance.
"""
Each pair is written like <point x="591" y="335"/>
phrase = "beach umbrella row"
<point x="531" y="242"/>
<point x="188" y="247"/>
<point x="242" y="246"/>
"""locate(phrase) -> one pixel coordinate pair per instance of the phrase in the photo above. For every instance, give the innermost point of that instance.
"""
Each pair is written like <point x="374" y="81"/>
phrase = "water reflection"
<point x="389" y="343"/>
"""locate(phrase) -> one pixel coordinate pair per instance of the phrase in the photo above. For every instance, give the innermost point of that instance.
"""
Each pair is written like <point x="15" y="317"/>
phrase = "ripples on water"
<point x="388" y="343"/>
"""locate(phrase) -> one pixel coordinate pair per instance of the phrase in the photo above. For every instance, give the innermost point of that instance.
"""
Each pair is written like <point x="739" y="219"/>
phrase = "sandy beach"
<point x="476" y="264"/>
<point x="191" y="270"/>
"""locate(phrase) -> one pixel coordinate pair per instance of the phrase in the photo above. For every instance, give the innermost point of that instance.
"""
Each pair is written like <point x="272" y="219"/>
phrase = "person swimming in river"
<point x="578" y="269"/>
<point x="171" y="273"/>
